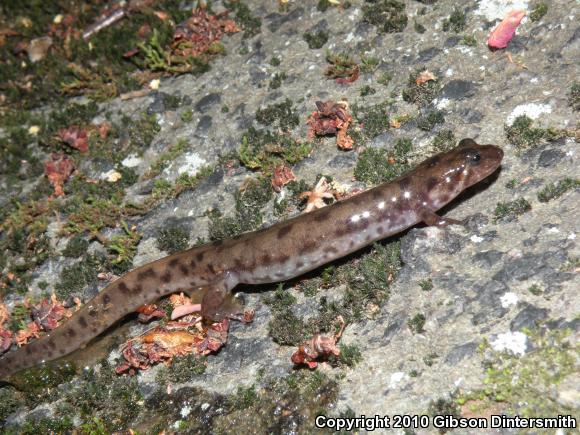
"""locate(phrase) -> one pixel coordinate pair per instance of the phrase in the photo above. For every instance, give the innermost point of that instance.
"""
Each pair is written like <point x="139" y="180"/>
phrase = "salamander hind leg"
<point x="218" y="303"/>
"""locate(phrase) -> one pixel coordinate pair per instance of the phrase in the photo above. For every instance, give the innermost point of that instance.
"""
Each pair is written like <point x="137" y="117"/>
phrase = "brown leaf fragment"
<point x="75" y="137"/>
<point x="38" y="48"/>
<point x="4" y="314"/>
<point x="58" y="170"/>
<point x="282" y="176"/>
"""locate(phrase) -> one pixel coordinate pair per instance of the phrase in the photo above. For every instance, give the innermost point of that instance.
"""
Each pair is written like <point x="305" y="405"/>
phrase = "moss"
<point x="33" y="426"/>
<point x="574" y="98"/>
<point x="285" y="327"/>
<point x="369" y="64"/>
<point x="173" y="239"/>
<point x="275" y="61"/>
<point x="143" y="131"/>
<point x="112" y="398"/>
<point x="444" y="406"/>
<point x="367" y="90"/>
<point x="75" y="278"/>
<point x="428" y="121"/>
<point x="430" y="359"/>
<point x="167" y="157"/>
<point x="444" y="140"/>
<point x="418" y="27"/>
<point x="555" y="190"/>
<point x="124" y="247"/>
<point x="417" y="323"/>
<point x="76" y="247"/>
<point x="535" y="289"/>
<point x="350" y="355"/>
<point x="251" y="24"/>
<point x="316" y="40"/>
<point x="456" y="22"/>
<point x="385" y="78"/>
<point x="182" y="369"/>
<point x="186" y="115"/>
<point x="261" y="149"/>
<point x="469" y="40"/>
<point x="277" y="80"/>
<point x="341" y="65"/>
<point x="323" y="5"/>
<point x="248" y="216"/>
<point x="520" y="383"/>
<point x="508" y="211"/>
<point x="420" y="94"/>
<point x="10" y="401"/>
<point x="522" y="134"/>
<point x="377" y="165"/>
<point x="280" y="116"/>
<point x="512" y="184"/>
<point x="388" y="15"/>
<point x="38" y="383"/>
<point x="426" y="284"/>
<point x="538" y="12"/>
<point x="225" y="109"/>
<point x="374" y="119"/>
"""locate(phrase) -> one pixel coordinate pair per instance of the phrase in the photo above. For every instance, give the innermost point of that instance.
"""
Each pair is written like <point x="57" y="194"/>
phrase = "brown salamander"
<point x="278" y="253"/>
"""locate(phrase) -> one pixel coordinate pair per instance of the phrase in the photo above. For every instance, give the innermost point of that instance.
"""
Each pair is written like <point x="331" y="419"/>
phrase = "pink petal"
<point x="504" y="32"/>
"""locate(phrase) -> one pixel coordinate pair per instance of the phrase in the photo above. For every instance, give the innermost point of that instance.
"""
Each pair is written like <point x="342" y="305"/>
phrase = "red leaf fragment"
<point x="331" y="118"/>
<point x="198" y="34"/>
<point x="48" y="313"/>
<point x="75" y="137"/>
<point x="58" y="170"/>
<point x="505" y="31"/>
<point x="282" y="176"/>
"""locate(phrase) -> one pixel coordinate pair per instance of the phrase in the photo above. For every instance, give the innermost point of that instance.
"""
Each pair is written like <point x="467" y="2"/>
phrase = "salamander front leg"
<point x="433" y="219"/>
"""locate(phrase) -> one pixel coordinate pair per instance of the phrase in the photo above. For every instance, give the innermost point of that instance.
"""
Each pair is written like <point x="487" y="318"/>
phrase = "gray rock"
<point x="529" y="317"/>
<point x="207" y="102"/>
<point x="550" y="157"/>
<point x="458" y="90"/>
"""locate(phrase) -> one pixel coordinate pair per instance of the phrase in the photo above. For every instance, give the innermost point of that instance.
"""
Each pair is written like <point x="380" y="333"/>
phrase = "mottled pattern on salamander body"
<point x="283" y="251"/>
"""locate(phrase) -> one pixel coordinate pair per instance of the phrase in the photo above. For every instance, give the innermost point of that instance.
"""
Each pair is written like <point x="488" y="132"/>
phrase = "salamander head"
<point x="450" y="173"/>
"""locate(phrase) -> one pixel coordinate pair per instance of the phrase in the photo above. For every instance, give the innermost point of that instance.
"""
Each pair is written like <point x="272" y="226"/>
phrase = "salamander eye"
<point x="474" y="157"/>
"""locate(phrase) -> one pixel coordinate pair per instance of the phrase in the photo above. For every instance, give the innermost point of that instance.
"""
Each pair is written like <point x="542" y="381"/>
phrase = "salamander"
<point x="280" y="252"/>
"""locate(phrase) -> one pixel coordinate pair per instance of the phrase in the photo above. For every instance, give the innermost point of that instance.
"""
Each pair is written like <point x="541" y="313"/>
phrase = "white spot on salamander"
<point x="366" y="214"/>
<point x="381" y="205"/>
<point x="355" y="218"/>
<point x="407" y="195"/>
<point x="447" y="180"/>
<point x="394" y="199"/>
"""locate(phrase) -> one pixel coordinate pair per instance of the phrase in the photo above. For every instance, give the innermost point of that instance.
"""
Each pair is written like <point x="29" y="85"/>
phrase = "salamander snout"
<point x="479" y="160"/>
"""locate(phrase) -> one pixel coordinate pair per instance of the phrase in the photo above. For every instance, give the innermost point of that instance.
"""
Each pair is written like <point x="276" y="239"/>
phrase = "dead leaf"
<point x="282" y="176"/>
<point x="58" y="170"/>
<point x="76" y="137"/>
<point x="315" y="198"/>
<point x="424" y="77"/>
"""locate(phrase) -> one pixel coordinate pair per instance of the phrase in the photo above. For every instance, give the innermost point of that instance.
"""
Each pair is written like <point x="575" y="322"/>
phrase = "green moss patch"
<point x="508" y="211"/>
<point x="387" y="15"/>
<point x="173" y="239"/>
<point x="538" y="12"/>
<point x="555" y="190"/>
<point x="456" y="22"/>
<point x="378" y="165"/>
<point x="423" y="93"/>
<point x="574" y="97"/>
<point x="522" y="134"/>
<point x="316" y="40"/>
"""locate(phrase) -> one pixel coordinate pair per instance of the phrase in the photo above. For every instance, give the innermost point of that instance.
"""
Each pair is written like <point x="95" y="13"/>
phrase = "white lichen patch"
<point x="192" y="163"/>
<point x="397" y="378"/>
<point x="497" y="9"/>
<point x="441" y="103"/>
<point x="509" y="299"/>
<point x="131" y="161"/>
<point x="514" y="342"/>
<point x="531" y="110"/>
